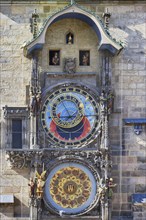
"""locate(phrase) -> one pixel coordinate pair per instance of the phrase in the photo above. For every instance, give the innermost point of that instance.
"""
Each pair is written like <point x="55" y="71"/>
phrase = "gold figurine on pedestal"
<point x="40" y="182"/>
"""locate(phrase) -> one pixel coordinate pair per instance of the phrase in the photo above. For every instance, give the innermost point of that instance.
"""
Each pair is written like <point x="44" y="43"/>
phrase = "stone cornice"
<point x="67" y="2"/>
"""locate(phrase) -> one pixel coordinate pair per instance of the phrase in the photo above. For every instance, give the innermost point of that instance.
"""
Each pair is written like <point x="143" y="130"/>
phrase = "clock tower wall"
<point x="127" y="130"/>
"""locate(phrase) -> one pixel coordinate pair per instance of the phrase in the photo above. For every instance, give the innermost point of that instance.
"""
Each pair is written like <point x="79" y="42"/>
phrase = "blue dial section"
<point x="66" y="111"/>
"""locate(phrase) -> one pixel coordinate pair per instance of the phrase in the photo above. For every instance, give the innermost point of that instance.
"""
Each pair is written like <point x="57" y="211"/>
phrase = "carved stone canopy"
<point x="106" y="42"/>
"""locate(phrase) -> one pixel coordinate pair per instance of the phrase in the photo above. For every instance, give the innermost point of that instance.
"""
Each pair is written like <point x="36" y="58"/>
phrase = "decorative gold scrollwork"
<point x="70" y="187"/>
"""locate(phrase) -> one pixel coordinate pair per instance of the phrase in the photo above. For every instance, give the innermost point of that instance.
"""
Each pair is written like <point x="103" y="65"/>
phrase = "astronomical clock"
<point x="69" y="105"/>
<point x="70" y="116"/>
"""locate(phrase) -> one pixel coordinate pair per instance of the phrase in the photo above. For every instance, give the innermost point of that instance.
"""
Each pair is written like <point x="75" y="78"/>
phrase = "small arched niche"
<point x="69" y="38"/>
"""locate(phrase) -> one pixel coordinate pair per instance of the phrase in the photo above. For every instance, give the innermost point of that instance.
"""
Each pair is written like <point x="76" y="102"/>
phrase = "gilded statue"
<point x="40" y="182"/>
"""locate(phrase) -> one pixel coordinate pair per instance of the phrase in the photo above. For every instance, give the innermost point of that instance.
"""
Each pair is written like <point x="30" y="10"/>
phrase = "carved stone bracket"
<point x="24" y="158"/>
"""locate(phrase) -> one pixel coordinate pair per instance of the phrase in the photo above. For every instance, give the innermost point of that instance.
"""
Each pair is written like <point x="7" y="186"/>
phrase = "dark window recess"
<point x="16" y="133"/>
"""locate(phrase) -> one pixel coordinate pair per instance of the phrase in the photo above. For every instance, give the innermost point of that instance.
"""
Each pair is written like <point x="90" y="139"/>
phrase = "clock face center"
<point x="70" y="187"/>
<point x="67" y="111"/>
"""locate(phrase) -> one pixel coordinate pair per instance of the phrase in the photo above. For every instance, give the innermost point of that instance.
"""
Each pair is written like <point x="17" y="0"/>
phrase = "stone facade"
<point x="128" y="70"/>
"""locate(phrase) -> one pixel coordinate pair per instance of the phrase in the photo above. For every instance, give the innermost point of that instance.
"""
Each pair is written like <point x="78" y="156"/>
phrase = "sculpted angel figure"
<point x="40" y="182"/>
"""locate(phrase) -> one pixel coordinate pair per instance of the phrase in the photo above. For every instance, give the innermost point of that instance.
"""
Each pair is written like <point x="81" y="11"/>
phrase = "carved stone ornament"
<point x="31" y="158"/>
<point x="70" y="65"/>
<point x="27" y="158"/>
<point x="11" y="112"/>
<point x="94" y="157"/>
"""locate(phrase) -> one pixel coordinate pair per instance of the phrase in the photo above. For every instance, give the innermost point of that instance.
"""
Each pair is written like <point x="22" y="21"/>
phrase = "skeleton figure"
<point x="40" y="181"/>
<point x="70" y="65"/>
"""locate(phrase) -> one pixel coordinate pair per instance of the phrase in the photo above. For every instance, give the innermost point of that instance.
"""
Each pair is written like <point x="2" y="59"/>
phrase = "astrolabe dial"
<point x="67" y="111"/>
<point x="70" y="116"/>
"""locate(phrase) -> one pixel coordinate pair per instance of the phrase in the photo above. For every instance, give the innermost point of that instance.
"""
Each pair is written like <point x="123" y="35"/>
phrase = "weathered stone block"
<point x="142" y="166"/>
<point x="126" y="206"/>
<point x="137" y="215"/>
<point x="140" y="188"/>
<point x="127" y="188"/>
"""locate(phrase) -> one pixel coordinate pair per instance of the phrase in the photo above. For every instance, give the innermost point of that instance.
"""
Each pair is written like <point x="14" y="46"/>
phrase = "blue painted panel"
<point x="7" y="198"/>
<point x="35" y="47"/>
<point x="138" y="198"/>
<point x="135" y="120"/>
<point x="108" y="47"/>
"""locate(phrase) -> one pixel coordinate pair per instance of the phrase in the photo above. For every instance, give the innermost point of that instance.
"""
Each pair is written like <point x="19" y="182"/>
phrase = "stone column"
<point x="35" y="93"/>
<point x="32" y="131"/>
<point x="35" y="202"/>
<point x="35" y="96"/>
<point x="105" y="105"/>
